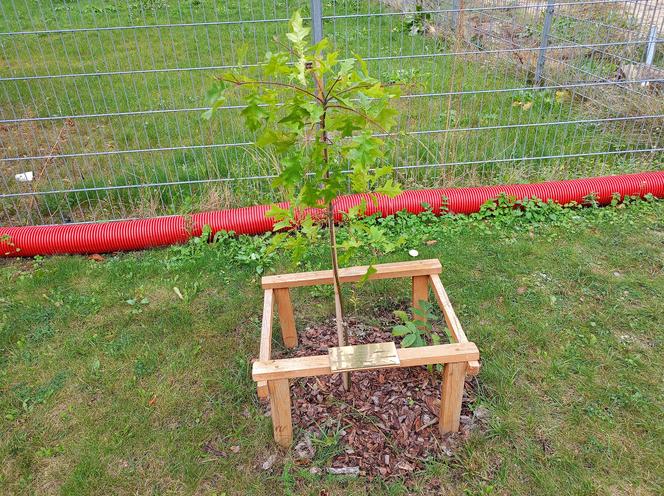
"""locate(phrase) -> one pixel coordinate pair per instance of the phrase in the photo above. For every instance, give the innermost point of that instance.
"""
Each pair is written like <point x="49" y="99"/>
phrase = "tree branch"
<point x="367" y="85"/>
<point x="361" y="114"/>
<point x="283" y="45"/>
<point x="269" y="83"/>
<point x="329" y="92"/>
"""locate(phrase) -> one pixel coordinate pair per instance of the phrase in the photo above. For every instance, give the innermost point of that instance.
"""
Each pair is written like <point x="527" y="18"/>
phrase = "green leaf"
<point x="315" y="110"/>
<point x="365" y="150"/>
<point x="359" y="179"/>
<point x="297" y="116"/>
<point x="420" y="313"/>
<point x="413" y="328"/>
<point x="291" y="173"/>
<point x="402" y="315"/>
<point x="276" y="242"/>
<point x="298" y="33"/>
<point x="399" y="330"/>
<point x="276" y="64"/>
<point x="215" y="98"/>
<point x="281" y="141"/>
<point x="345" y="66"/>
<point x="347" y="124"/>
<point x="277" y="212"/>
<point x="424" y="326"/>
<point x="375" y="91"/>
<point x="389" y="188"/>
<point x="297" y="246"/>
<point x="215" y="92"/>
<point x="386" y="118"/>
<point x="356" y="211"/>
<point x="363" y="64"/>
<point x="282" y="225"/>
<point x="320" y="46"/>
<point x="254" y="116"/>
<point x="370" y="271"/>
<point x="409" y="340"/>
<point x="309" y="227"/>
<point x="331" y="59"/>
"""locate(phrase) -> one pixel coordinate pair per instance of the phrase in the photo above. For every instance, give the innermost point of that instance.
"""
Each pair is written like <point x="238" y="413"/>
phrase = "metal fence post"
<point x="455" y="15"/>
<point x="652" y="45"/>
<point x="317" y="19"/>
<point x="546" y="30"/>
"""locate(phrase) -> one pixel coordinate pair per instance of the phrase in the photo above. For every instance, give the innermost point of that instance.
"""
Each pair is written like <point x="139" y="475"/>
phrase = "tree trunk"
<point x="342" y="332"/>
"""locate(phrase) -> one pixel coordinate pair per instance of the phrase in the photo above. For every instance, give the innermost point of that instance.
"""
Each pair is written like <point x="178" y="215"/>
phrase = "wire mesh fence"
<point x="100" y="100"/>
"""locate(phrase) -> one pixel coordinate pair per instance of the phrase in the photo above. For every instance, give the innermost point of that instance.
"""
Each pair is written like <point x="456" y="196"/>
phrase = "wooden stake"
<point x="454" y="375"/>
<point x="286" y="317"/>
<point x="342" y="332"/>
<point x="420" y="292"/>
<point x="280" y="405"/>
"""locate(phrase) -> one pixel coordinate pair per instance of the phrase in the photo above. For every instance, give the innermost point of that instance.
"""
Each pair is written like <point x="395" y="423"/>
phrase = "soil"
<point x="386" y="425"/>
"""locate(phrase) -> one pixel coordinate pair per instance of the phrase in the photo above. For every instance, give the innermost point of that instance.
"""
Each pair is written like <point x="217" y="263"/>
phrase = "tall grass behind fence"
<point x="100" y="100"/>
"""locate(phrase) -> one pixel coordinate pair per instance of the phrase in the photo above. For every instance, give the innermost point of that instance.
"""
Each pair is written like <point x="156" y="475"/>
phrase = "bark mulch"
<point x="386" y="425"/>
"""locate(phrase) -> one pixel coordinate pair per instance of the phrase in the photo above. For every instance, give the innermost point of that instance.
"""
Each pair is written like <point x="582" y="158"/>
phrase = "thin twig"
<point x="49" y="159"/>
<point x="331" y="88"/>
<point x="368" y="85"/>
<point x="283" y="45"/>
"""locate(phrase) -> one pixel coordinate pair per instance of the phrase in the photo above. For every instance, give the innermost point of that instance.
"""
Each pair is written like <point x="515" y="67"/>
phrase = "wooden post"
<point x="286" y="317"/>
<point x="265" y="351"/>
<point x="280" y="405"/>
<point x="454" y="375"/>
<point x="420" y="292"/>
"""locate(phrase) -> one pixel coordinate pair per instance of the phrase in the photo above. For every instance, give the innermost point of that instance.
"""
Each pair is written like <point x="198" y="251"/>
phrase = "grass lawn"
<point x="110" y="383"/>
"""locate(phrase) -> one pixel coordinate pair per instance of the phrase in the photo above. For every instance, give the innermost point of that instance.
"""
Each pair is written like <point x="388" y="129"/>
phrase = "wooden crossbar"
<point x="451" y="319"/>
<point x="354" y="274"/>
<point x="289" y="368"/>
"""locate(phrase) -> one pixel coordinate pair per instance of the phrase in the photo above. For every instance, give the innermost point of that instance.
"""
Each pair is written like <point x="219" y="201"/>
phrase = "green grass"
<point x="111" y="384"/>
<point x="207" y="46"/>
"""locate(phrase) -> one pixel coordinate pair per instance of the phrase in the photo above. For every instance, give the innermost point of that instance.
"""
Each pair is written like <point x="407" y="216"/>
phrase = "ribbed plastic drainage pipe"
<point x="146" y="233"/>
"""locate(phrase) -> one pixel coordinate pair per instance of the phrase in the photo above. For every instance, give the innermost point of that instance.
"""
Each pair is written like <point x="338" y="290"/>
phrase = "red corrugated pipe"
<point x="146" y="233"/>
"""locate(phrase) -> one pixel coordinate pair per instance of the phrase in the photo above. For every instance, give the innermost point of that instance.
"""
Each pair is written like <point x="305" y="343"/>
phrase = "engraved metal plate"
<point x="363" y="356"/>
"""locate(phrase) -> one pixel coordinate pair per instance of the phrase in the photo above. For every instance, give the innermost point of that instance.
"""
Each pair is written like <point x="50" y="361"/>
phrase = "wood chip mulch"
<point x="387" y="423"/>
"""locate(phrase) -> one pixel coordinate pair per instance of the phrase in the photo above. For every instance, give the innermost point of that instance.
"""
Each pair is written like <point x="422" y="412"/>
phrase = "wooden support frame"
<point x="272" y="376"/>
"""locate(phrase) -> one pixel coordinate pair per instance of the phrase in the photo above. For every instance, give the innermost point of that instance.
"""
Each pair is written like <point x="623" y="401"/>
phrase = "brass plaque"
<point x="363" y="356"/>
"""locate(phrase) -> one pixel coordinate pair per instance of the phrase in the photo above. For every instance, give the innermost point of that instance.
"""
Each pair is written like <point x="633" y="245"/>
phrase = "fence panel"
<point x="100" y="100"/>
